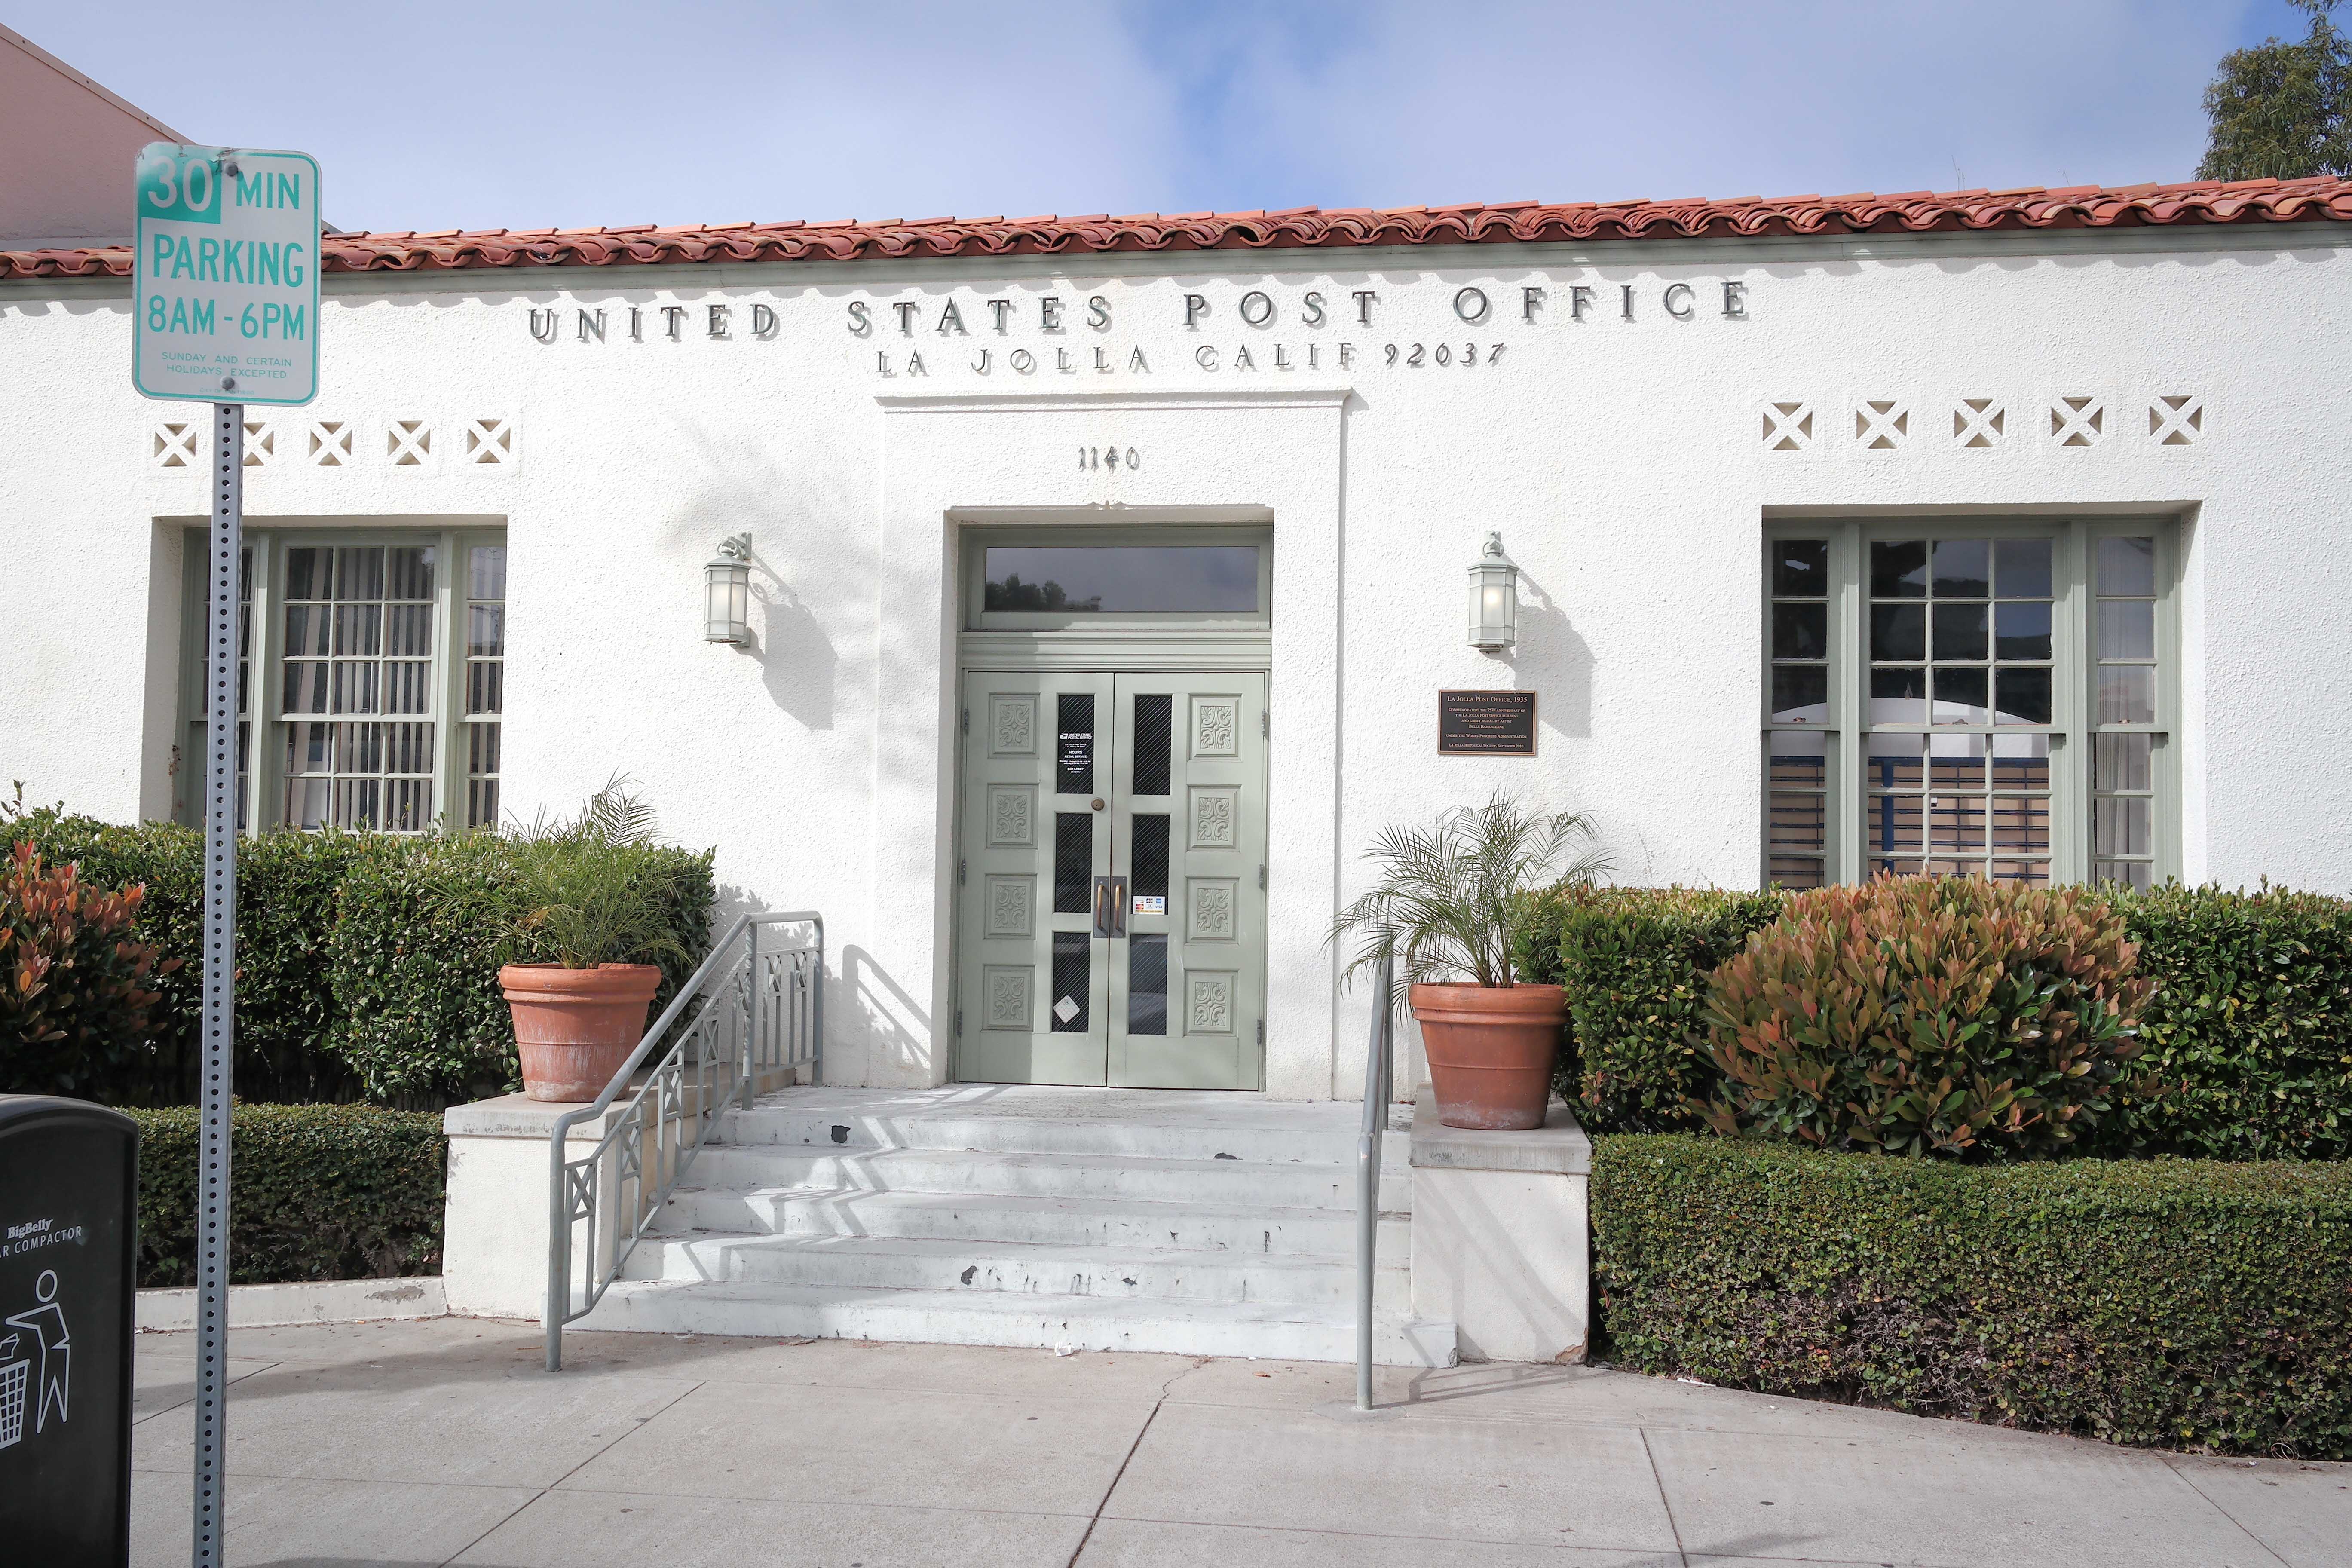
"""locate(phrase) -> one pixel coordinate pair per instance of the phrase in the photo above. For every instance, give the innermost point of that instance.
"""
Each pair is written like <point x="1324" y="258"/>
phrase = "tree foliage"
<point x="2283" y="110"/>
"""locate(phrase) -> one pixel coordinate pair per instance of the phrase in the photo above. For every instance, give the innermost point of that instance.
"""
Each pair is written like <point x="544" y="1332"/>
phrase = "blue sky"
<point x="474" y="115"/>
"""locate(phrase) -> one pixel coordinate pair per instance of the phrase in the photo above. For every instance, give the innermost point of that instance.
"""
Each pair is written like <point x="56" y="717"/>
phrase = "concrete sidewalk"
<point x="441" y="1442"/>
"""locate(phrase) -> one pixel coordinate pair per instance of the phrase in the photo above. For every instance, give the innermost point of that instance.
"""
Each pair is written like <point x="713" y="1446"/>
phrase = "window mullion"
<point x="2070" y="782"/>
<point x="1849" y="684"/>
<point x="449" y="684"/>
<point x="267" y="762"/>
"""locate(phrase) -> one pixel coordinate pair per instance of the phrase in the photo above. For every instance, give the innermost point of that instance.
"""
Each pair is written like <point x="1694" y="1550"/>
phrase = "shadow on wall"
<point x="796" y="660"/>
<point x="1553" y="655"/>
<point x="882" y="1037"/>
<point x="798" y="664"/>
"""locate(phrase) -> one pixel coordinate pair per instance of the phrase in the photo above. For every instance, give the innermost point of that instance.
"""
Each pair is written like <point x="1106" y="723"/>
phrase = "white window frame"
<point x="2072" y="726"/>
<point x="263" y="805"/>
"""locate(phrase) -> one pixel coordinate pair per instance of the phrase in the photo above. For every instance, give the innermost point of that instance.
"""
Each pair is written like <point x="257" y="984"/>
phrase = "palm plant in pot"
<point x="1441" y="905"/>
<point x="577" y="915"/>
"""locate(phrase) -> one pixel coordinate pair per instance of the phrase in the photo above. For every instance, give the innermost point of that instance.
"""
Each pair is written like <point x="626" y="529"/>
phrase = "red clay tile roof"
<point x="2325" y="198"/>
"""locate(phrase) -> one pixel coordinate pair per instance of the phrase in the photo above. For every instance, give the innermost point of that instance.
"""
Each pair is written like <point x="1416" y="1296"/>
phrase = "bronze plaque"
<point x="1485" y="723"/>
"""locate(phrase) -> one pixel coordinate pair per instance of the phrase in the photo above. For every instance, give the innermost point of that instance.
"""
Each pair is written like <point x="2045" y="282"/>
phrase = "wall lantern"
<point x="727" y="593"/>
<point x="1494" y="598"/>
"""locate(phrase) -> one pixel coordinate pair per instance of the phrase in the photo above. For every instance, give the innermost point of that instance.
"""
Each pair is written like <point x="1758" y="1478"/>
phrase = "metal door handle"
<point x="1110" y="906"/>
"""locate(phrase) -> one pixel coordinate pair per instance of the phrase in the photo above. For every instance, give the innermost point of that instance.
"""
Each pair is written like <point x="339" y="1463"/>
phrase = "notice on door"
<point x="1485" y="723"/>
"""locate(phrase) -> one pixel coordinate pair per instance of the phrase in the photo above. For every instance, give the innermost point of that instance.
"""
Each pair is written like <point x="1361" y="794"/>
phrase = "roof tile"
<point x="2319" y="199"/>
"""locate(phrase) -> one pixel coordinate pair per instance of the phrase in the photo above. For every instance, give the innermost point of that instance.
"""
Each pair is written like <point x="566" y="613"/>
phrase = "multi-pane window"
<point x="2124" y="610"/>
<point x="486" y="678"/>
<point x="358" y="687"/>
<point x="375" y="686"/>
<point x="188" y="779"/>
<point x="1797" y="822"/>
<point x="1965" y="699"/>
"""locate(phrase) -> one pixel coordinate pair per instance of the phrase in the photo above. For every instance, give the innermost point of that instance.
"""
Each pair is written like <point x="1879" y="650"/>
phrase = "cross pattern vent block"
<point x="489" y="441"/>
<point x="1979" y="423"/>
<point x="2177" y="419"/>
<point x="1883" y="425"/>
<point x="1787" y="426"/>
<point x="408" y="442"/>
<point x="2077" y="421"/>
<point x="330" y="443"/>
<point x="175" y="444"/>
<point x="260" y="444"/>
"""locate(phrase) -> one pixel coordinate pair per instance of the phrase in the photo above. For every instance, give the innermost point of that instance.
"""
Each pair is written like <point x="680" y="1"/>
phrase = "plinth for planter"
<point x="574" y="1027"/>
<point x="1490" y="1050"/>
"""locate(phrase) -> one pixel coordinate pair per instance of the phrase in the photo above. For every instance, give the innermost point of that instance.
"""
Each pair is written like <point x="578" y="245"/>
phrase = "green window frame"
<point x="1967" y="694"/>
<point x="370" y="688"/>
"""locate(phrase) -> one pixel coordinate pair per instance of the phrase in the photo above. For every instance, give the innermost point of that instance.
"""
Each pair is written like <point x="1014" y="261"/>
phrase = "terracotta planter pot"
<point x="1490" y="1051"/>
<point x="574" y="1027"/>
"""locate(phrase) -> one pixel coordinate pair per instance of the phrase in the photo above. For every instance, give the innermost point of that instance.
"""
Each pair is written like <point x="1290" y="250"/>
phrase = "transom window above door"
<point x="1971" y="698"/>
<point x="1040" y="580"/>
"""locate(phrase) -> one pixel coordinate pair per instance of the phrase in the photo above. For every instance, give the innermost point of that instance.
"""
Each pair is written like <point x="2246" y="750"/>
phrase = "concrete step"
<point x="905" y="1263"/>
<point x="1244" y="1229"/>
<point x="1272" y="1331"/>
<point x="792" y="1120"/>
<point x="1121" y="1177"/>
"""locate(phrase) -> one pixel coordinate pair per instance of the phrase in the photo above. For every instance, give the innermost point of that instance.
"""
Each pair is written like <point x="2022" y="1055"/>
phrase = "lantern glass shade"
<point x="727" y="600"/>
<point x="1494" y="598"/>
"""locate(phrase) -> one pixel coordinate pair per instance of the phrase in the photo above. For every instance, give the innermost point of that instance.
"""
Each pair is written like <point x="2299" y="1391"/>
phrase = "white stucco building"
<point x="1990" y="531"/>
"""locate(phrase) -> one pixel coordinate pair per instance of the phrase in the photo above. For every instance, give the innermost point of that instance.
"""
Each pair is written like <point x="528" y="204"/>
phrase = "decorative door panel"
<point x="1031" y="992"/>
<point x="1188" y="831"/>
<point x="1111" y="906"/>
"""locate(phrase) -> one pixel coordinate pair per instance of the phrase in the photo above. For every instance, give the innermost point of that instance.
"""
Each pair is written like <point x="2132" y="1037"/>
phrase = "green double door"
<point x="1112" y="897"/>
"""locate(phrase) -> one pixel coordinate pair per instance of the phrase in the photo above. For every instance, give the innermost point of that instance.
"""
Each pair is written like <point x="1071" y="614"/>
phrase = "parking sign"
<point x="228" y="274"/>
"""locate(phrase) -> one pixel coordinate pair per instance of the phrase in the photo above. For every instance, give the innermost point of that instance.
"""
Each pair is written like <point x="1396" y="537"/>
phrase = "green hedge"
<point x="316" y="1192"/>
<point x="1635" y="962"/>
<point x="346" y="988"/>
<point x="2169" y="1303"/>
<point x="2249" y="1035"/>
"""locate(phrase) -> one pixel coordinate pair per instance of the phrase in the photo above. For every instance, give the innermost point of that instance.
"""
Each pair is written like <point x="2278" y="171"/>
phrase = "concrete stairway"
<point x="1065" y="1218"/>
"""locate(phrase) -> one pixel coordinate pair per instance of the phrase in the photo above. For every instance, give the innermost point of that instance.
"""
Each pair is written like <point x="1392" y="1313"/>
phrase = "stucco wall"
<point x="1621" y="462"/>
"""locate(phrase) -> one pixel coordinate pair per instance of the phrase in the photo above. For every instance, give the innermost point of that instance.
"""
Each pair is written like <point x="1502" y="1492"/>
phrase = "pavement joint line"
<point x="567" y="1474"/>
<point x="1120" y="1474"/>
<point x="2187" y="1480"/>
<point x="1449" y="1540"/>
<point x="1665" y="1501"/>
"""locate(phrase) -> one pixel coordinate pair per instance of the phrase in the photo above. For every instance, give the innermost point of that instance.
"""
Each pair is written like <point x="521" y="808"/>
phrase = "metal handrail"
<point x="1379" y="1069"/>
<point x="762" y="1011"/>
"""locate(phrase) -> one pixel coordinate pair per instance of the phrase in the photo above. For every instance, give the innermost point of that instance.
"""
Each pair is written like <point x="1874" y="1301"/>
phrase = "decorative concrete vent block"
<point x="489" y="442"/>
<point x="408" y="442"/>
<point x="1788" y="426"/>
<point x="175" y="443"/>
<point x="2177" y="419"/>
<point x="1882" y="424"/>
<point x="329" y="443"/>
<point x="2078" y="420"/>
<point x="260" y="444"/>
<point x="1978" y="424"/>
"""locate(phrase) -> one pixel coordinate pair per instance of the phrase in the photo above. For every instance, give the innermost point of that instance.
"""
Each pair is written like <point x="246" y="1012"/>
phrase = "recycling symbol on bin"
<point x="35" y="1374"/>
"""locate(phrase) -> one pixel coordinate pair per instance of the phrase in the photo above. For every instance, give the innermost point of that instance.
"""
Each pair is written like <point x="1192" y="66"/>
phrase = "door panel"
<point x="1111" y="917"/>
<point x="1031" y="995"/>
<point x="1187" y="983"/>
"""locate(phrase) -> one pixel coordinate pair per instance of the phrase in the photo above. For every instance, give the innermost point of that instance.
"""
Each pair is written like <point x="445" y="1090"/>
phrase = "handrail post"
<point x="1377" y="1072"/>
<point x="751" y="1019"/>
<point x="817" y="1010"/>
<point x="559" y="1246"/>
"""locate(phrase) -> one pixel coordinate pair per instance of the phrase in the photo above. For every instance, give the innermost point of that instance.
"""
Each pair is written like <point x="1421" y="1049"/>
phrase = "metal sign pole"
<point x="223" y="635"/>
